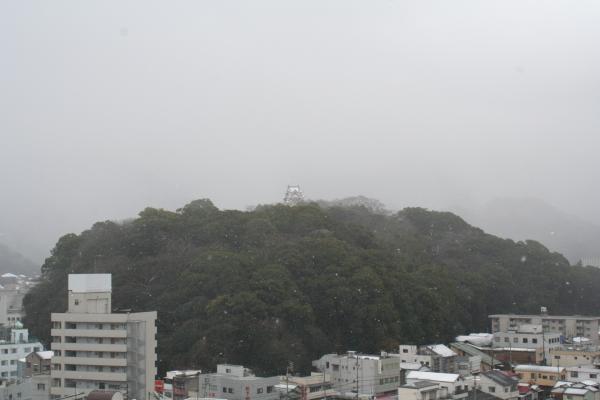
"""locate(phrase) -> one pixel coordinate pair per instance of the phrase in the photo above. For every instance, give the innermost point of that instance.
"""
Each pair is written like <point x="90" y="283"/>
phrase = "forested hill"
<point x="280" y="284"/>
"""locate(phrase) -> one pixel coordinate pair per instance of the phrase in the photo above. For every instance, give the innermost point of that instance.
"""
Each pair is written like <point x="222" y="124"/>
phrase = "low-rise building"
<point x="368" y="374"/>
<point x="575" y="391"/>
<point x="583" y="373"/>
<point x="180" y="384"/>
<point x="420" y="390"/>
<point x="499" y="384"/>
<point x="234" y="382"/>
<point x="544" y="376"/>
<point x="313" y="387"/>
<point x="437" y="357"/>
<point x="569" y="356"/>
<point x="453" y="385"/>
<point x="467" y="349"/>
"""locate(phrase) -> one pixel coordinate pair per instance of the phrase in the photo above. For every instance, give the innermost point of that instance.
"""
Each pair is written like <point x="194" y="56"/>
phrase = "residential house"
<point x="453" y="385"/>
<point x="575" y="391"/>
<point x="421" y="390"/>
<point x="499" y="384"/>
<point x="583" y="373"/>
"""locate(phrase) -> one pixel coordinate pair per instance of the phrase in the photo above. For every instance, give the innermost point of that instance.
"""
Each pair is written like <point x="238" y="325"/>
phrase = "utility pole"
<point x="324" y="386"/>
<point x="543" y="345"/>
<point x="356" y="376"/>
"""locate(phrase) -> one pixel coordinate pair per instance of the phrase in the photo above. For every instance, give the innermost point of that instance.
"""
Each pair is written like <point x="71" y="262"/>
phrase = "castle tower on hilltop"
<point x="293" y="196"/>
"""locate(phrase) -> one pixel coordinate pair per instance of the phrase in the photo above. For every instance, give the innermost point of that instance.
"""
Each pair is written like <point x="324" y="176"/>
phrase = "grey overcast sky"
<point x="107" y="107"/>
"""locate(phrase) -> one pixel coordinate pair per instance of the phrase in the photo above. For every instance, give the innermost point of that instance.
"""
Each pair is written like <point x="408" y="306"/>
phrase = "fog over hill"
<point x="12" y="261"/>
<point x="530" y="218"/>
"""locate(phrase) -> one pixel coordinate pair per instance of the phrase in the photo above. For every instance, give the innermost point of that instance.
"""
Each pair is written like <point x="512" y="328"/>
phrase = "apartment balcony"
<point x="99" y="333"/>
<point x="95" y="376"/>
<point x="103" y="361"/>
<point x="117" y="348"/>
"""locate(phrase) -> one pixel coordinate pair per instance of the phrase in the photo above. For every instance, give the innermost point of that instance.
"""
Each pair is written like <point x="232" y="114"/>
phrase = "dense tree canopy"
<point x="280" y="284"/>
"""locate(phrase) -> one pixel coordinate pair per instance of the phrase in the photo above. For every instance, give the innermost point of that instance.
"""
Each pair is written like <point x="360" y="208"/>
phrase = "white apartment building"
<point x="15" y="345"/>
<point x="528" y="336"/>
<point x="370" y="374"/>
<point x="97" y="349"/>
<point x="569" y="326"/>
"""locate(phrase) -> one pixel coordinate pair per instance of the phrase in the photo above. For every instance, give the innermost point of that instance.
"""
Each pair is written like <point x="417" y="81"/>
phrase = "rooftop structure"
<point x="293" y="196"/>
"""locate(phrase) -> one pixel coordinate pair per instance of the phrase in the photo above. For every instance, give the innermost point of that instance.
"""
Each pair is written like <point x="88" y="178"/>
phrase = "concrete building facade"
<point x="234" y="382"/>
<point x="568" y="326"/>
<point x="436" y="357"/>
<point x="14" y="345"/>
<point x="97" y="349"/>
<point x="369" y="374"/>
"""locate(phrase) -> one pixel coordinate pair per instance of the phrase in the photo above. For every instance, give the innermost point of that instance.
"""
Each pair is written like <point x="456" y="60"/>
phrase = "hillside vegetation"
<point x="280" y="284"/>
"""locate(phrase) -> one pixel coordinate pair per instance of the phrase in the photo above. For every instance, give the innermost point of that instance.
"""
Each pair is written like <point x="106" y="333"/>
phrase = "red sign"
<point x="159" y="386"/>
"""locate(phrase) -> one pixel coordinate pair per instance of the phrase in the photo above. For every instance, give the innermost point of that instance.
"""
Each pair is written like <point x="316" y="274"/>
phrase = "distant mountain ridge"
<point x="530" y="218"/>
<point x="12" y="261"/>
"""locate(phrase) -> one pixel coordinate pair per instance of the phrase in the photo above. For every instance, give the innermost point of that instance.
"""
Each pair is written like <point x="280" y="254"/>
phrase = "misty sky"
<point x="107" y="107"/>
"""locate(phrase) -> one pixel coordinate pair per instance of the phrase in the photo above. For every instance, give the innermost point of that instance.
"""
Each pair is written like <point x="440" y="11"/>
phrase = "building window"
<point x="534" y="340"/>
<point x="269" y="389"/>
<point x="574" y="374"/>
<point x="228" y="370"/>
<point x="224" y="390"/>
<point x="525" y="340"/>
<point x="491" y="389"/>
<point x="229" y="390"/>
<point x="76" y="302"/>
<point x="41" y="386"/>
<point x="259" y="390"/>
<point x="516" y="340"/>
<point x="593" y="376"/>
